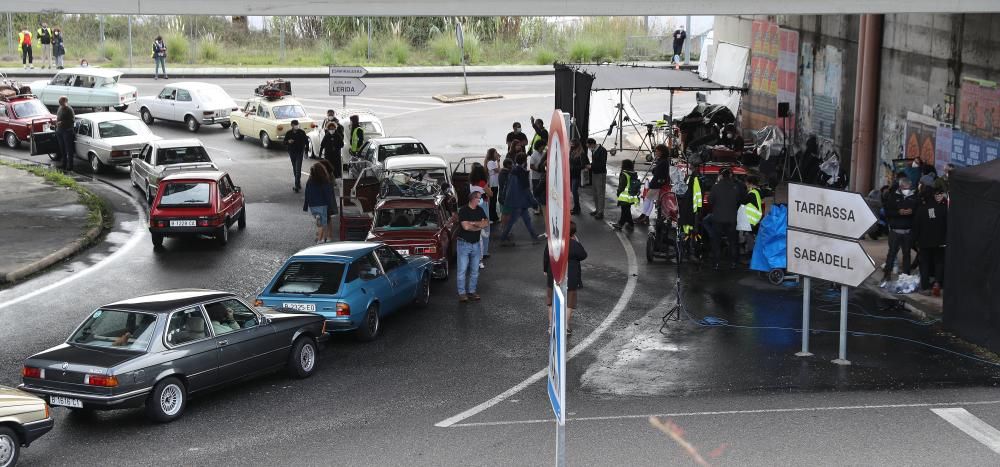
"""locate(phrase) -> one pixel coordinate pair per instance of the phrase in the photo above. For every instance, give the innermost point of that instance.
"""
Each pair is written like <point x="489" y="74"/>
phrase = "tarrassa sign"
<point x="558" y="196"/>
<point x="832" y="259"/>
<point x="839" y="213"/>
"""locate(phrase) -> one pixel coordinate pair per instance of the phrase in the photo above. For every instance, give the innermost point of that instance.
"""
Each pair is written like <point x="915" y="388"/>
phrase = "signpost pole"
<point x="560" y="445"/>
<point x="843" y="328"/>
<point x="806" y="290"/>
<point x="344" y="102"/>
<point x="557" y="226"/>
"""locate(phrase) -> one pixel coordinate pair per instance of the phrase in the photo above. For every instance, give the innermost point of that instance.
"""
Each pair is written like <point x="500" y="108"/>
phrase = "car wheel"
<point x="222" y="236"/>
<point x="371" y="325"/>
<point x="225" y="125"/>
<point x="121" y="108"/>
<point x="265" y="141"/>
<point x="302" y="360"/>
<point x="236" y="132"/>
<point x="147" y="117"/>
<point x="424" y="291"/>
<point x="10" y="447"/>
<point x="192" y="124"/>
<point x="167" y="401"/>
<point x="157" y="240"/>
<point x="95" y="164"/>
<point x="12" y="142"/>
<point x="241" y="222"/>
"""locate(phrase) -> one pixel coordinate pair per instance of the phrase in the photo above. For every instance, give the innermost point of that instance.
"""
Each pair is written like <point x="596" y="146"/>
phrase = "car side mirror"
<point x="238" y="189"/>
<point x="369" y="274"/>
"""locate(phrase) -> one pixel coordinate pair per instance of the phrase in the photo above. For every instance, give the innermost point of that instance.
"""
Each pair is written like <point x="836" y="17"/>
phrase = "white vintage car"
<point x="193" y="103"/>
<point x="110" y="138"/>
<point x="164" y="157"/>
<point x="268" y="119"/>
<point x="91" y="88"/>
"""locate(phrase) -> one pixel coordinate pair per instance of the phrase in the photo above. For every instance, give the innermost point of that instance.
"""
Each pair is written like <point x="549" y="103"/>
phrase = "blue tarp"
<point x="769" y="250"/>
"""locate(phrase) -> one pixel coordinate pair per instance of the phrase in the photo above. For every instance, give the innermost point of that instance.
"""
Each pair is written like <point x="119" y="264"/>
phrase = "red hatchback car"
<point x="21" y="115"/>
<point x="196" y="203"/>
<point x="417" y="226"/>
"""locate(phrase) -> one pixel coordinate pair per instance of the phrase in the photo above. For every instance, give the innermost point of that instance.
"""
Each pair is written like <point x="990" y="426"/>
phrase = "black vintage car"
<point x="158" y="349"/>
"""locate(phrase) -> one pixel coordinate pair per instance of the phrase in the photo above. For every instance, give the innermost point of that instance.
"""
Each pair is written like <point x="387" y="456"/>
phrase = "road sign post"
<point x="823" y="228"/>
<point x="557" y="231"/>
<point x="346" y="81"/>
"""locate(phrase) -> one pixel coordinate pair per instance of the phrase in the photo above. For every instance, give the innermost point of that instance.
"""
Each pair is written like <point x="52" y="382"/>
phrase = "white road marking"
<point x="131" y="243"/>
<point x="401" y="101"/>
<point x="525" y="96"/>
<point x="734" y="412"/>
<point x="972" y="426"/>
<point x="619" y="307"/>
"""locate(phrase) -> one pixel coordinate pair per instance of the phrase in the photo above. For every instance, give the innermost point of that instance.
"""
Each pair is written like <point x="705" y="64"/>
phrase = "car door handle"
<point x="222" y="343"/>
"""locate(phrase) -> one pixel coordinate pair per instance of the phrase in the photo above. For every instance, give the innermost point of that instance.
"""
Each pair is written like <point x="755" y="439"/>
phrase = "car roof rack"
<point x="274" y="89"/>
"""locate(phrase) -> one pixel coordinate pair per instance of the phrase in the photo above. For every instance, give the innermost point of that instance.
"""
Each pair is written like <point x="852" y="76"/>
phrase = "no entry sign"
<point x="557" y="197"/>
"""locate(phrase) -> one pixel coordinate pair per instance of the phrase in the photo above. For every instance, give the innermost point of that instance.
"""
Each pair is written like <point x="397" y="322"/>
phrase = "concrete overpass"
<point x="501" y="7"/>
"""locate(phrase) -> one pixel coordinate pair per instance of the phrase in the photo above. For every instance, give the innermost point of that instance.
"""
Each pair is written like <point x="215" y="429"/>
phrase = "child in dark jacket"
<point x="318" y="196"/>
<point x="628" y="194"/>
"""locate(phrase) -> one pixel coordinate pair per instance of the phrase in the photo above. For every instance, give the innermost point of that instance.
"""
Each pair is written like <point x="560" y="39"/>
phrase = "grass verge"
<point x="99" y="212"/>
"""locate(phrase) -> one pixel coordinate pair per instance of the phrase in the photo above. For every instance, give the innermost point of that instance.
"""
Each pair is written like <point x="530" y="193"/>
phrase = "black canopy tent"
<point x="972" y="265"/>
<point x="575" y="82"/>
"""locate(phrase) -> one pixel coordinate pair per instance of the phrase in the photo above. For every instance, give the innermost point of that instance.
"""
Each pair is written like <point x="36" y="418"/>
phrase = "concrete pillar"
<point x="869" y="102"/>
<point x="856" y="125"/>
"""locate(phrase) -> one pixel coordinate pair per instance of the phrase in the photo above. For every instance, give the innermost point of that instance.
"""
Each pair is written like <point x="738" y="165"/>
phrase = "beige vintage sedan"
<point x="268" y="119"/>
<point x="23" y="419"/>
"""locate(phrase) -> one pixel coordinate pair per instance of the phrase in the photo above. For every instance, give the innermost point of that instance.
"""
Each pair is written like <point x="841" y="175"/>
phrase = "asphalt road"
<point x="738" y="394"/>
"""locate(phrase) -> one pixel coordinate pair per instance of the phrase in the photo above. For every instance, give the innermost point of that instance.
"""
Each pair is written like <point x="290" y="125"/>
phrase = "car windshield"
<point x="406" y="219"/>
<point x="400" y="149"/>
<point x="116" y="329"/>
<point x="169" y="156"/>
<point x="186" y="194"/>
<point x="30" y="108"/>
<point x="282" y="112"/>
<point x="119" y="128"/>
<point x="109" y="81"/>
<point x="371" y="129"/>
<point x="310" y="277"/>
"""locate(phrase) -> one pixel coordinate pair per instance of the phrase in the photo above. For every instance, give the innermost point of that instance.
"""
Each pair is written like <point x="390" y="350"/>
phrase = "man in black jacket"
<point x="930" y="230"/>
<point x="725" y="199"/>
<point x="899" y="206"/>
<point x="295" y="141"/>
<point x="516" y="135"/>
<point x="599" y="172"/>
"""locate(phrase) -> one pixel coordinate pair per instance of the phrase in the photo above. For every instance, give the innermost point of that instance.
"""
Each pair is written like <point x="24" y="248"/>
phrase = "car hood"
<point x="11" y="397"/>
<point x="80" y="358"/>
<point x="130" y="140"/>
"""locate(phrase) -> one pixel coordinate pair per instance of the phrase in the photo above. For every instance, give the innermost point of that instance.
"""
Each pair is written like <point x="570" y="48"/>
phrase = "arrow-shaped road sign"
<point x="832" y="212"/>
<point x="346" y="86"/>
<point x="347" y="71"/>
<point x="832" y="259"/>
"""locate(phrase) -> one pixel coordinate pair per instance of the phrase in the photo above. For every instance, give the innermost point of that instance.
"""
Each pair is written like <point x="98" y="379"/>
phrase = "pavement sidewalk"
<point x="42" y="224"/>
<point x="187" y="71"/>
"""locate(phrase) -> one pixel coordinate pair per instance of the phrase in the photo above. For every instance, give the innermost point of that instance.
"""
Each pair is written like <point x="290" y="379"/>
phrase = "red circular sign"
<point x="558" y="197"/>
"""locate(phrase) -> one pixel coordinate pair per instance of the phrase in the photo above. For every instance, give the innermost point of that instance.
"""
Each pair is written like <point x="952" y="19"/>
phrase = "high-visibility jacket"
<point x="45" y="35"/>
<point x="626" y="195"/>
<point x="753" y="210"/>
<point x="696" y="197"/>
<point x="24" y="39"/>
<point x="357" y="137"/>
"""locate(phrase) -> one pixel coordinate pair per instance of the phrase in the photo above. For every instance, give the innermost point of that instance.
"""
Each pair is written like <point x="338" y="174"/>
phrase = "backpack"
<point x="634" y="186"/>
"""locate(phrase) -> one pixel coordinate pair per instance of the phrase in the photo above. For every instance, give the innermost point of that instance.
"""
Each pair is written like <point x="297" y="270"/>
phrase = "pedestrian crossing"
<point x="971" y="425"/>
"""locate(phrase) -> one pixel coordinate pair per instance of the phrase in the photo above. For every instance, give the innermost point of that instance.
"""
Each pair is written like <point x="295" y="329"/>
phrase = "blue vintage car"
<point x="352" y="284"/>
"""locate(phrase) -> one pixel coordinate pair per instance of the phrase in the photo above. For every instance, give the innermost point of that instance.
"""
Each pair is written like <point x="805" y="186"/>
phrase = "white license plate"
<point x="65" y="402"/>
<point x="299" y="306"/>
<point x="403" y="252"/>
<point x="183" y="223"/>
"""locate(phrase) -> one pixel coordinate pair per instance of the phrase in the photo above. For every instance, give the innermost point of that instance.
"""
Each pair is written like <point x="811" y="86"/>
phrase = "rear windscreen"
<point x="310" y="277"/>
<point x="168" y="156"/>
<point x="186" y="194"/>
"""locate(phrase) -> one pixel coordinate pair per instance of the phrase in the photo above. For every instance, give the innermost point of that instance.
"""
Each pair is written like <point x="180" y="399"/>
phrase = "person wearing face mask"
<point x="328" y="148"/>
<point x="900" y="205"/>
<point x="930" y="228"/>
<point x="295" y="141"/>
<point x="731" y="139"/>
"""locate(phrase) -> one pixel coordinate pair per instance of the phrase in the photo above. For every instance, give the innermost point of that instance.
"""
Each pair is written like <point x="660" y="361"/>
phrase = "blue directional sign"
<point x="557" y="355"/>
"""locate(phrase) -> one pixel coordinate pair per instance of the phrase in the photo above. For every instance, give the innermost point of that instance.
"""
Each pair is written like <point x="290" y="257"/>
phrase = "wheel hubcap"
<point x="308" y="358"/>
<point x="11" y="139"/>
<point x="94" y="163"/>
<point x="170" y="399"/>
<point x="373" y="321"/>
<point x="6" y="450"/>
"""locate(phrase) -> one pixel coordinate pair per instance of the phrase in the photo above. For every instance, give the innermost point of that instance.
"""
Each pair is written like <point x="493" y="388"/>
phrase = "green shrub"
<point x="473" y="48"/>
<point x="111" y="51"/>
<point x="395" y="51"/>
<point x="444" y="47"/>
<point x="178" y="47"/>
<point x="583" y="50"/>
<point x="357" y="48"/>
<point x="209" y="51"/>
<point x="545" y="56"/>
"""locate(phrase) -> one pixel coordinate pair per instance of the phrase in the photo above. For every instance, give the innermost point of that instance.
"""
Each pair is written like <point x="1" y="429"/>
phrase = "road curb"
<point x="469" y="98"/>
<point x="872" y="284"/>
<point x="65" y="252"/>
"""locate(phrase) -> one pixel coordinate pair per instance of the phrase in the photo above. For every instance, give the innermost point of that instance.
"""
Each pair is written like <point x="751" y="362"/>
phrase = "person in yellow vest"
<point x="752" y="203"/>
<point x="357" y="135"/>
<point x="24" y="43"/>
<point x="45" y="38"/>
<point x="628" y="194"/>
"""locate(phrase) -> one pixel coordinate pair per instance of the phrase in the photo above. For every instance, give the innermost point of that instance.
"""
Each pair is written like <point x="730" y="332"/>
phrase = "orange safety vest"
<point x="24" y="38"/>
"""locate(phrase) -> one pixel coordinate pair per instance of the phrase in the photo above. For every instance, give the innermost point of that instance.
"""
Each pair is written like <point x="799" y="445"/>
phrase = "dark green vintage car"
<point x="156" y="350"/>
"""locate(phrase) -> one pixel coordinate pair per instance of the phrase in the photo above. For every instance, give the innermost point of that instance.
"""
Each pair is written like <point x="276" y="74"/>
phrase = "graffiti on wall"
<point x="890" y="143"/>
<point x="804" y="115"/>
<point x="819" y="94"/>
<point x="920" y="136"/>
<point x="979" y="108"/>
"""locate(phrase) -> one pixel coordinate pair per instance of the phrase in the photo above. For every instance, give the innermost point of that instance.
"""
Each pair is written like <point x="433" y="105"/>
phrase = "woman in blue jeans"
<point x="517" y="200"/>
<point x="319" y="193"/>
